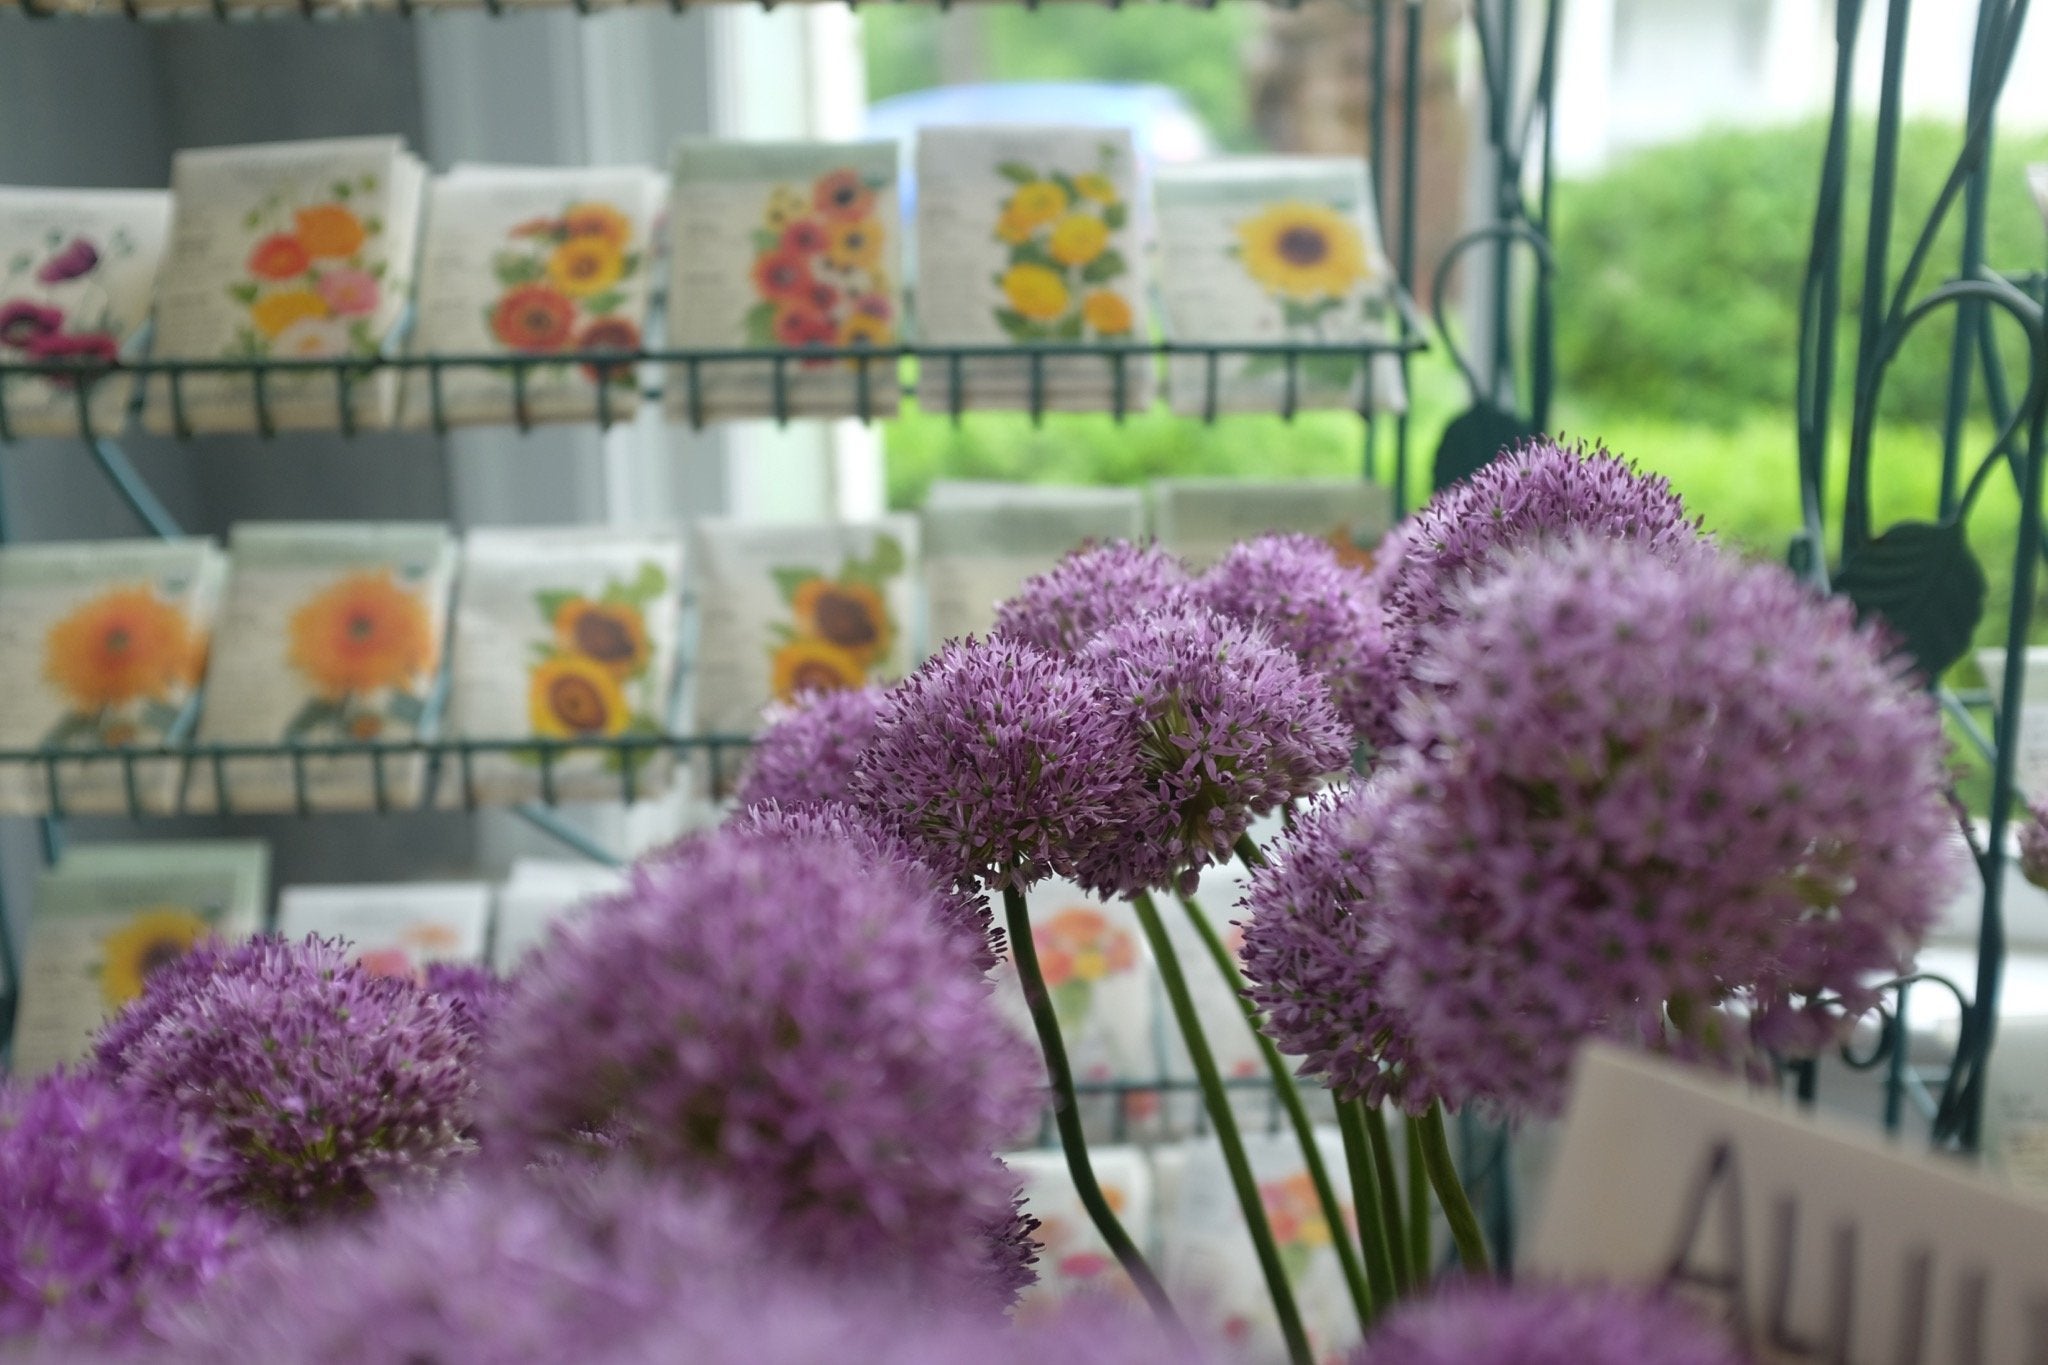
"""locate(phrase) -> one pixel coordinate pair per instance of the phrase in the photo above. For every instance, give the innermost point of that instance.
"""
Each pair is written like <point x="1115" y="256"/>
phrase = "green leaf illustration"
<point x="1033" y="252"/>
<point x="1922" y="580"/>
<point x="68" y="731"/>
<point x="374" y="226"/>
<point x="886" y="559"/>
<point x="1068" y="328"/>
<point x="787" y="581"/>
<point x="341" y="189"/>
<point x="551" y="601"/>
<point x="1066" y="182"/>
<point x="761" y="325"/>
<point x="1017" y="173"/>
<point x="513" y="269"/>
<point x="1114" y="216"/>
<point x="630" y="264"/>
<point x="243" y="293"/>
<point x="647" y="585"/>
<point x="315" y="714"/>
<point x="1107" y="266"/>
<point x="606" y="302"/>
<point x="1071" y="1000"/>
<point x="540" y="653"/>
<point x="765" y="241"/>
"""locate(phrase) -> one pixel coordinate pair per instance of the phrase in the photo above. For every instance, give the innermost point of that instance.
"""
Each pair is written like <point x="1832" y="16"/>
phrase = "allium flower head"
<point x="998" y="760"/>
<point x="1656" y="786"/>
<point x="110" y="1211"/>
<point x="1091" y="588"/>
<point x="1590" y="1326"/>
<point x="781" y="1018"/>
<point x="1316" y="967"/>
<point x="604" y="1266"/>
<point x="323" y="1080"/>
<point x="1311" y="602"/>
<point x="1541" y="493"/>
<point x="477" y="991"/>
<point x="1229" y="727"/>
<point x="809" y="750"/>
<point x="2033" y="841"/>
<point x="964" y="914"/>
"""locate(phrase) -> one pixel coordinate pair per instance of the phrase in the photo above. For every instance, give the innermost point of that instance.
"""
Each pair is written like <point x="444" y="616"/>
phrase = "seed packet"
<point x="330" y="636"/>
<point x="1026" y="238"/>
<point x="393" y="929"/>
<point x="76" y="271"/>
<point x="1275" y="251"/>
<point x="1073" y="1259"/>
<point x="1099" y="975"/>
<point x="285" y="251"/>
<point x="785" y="609"/>
<point x="784" y="246"/>
<point x="533" y="261"/>
<point x="983" y="540"/>
<point x="2031" y="762"/>
<point x="102" y="647"/>
<point x="565" y="634"/>
<point x="107" y="915"/>
<point x="1209" y="1261"/>
<point x="1200" y="519"/>
<point x="2037" y="180"/>
<point x="539" y="893"/>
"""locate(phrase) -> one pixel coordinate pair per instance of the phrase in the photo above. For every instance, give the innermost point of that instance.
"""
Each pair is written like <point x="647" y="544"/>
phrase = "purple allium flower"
<point x="79" y="257"/>
<point x="477" y="992"/>
<point x="1313" y="961"/>
<point x="1657" y="785"/>
<point x="1324" y="610"/>
<point x="1494" y="1325"/>
<point x="780" y="1017"/>
<point x="606" y="1266"/>
<point x="1542" y="492"/>
<point x="2033" y="841"/>
<point x="809" y="750"/>
<point x="324" y="1081"/>
<point x="1001" y="761"/>
<point x="1229" y="727"/>
<point x="23" y="323"/>
<point x="110" y="1210"/>
<point x="962" y="913"/>
<point x="1089" y="589"/>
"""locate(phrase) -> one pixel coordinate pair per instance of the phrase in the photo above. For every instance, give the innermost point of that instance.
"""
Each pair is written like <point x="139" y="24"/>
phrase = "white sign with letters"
<point x="1817" y="1241"/>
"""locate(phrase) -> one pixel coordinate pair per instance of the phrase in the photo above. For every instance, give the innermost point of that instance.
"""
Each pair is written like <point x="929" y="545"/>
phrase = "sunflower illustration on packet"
<point x="841" y="627"/>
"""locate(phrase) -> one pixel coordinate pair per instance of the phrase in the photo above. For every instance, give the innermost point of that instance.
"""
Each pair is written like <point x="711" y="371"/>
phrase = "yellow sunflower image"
<point x="1036" y="292"/>
<point x="593" y="219"/>
<point x="153" y="937"/>
<point x="851" y="616"/>
<point x="1108" y="312"/>
<point x="785" y="206"/>
<point x="583" y="266"/>
<point x="1096" y="186"/>
<point x="855" y="246"/>
<point x="361" y="633"/>
<point x="863" y="330"/>
<point x="1078" y="239"/>
<point x="611" y="633"/>
<point x="1036" y="204"/>
<point x="124" y="645"/>
<point x="1302" y="251"/>
<point x="274" y="313"/>
<point x="810" y="665"/>
<point x="569" y="696"/>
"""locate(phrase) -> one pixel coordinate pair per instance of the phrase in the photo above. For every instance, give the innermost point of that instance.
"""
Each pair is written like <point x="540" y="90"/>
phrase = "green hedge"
<point x="1679" y="269"/>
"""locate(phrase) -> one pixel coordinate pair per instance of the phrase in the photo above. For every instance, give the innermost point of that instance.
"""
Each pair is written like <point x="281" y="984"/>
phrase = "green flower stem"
<point x="1365" y="1196"/>
<point x="1421" y="1255"/>
<point x="1284" y="1085"/>
<point x="1248" y="852"/>
<point x="1450" y="1191"/>
<point x="1067" y="1117"/>
<point x="1221" y="1115"/>
<point x="1406" y="1274"/>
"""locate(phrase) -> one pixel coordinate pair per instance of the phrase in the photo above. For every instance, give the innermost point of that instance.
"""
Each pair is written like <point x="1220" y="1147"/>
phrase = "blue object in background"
<point x="1164" y="128"/>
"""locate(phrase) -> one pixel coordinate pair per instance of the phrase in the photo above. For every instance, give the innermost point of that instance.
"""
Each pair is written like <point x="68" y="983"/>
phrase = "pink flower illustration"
<point x="23" y="323"/>
<point x="349" y="293"/>
<point x="78" y="258"/>
<point x="79" y="346"/>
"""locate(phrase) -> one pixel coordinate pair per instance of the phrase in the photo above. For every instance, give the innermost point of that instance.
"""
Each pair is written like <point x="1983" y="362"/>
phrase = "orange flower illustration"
<point x="608" y="633"/>
<point x="534" y="317"/>
<point x="1080" y="944"/>
<point x="598" y="220"/>
<point x="851" y="616"/>
<point x="854" y="245"/>
<point x="122" y="646"/>
<point x="363" y="632"/>
<point x="329" y="231"/>
<point x="278" y="257"/>
<point x="807" y="665"/>
<point x="843" y="194"/>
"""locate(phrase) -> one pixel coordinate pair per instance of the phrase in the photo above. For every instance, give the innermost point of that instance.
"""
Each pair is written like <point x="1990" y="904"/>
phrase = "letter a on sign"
<point x="1815" y="1241"/>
